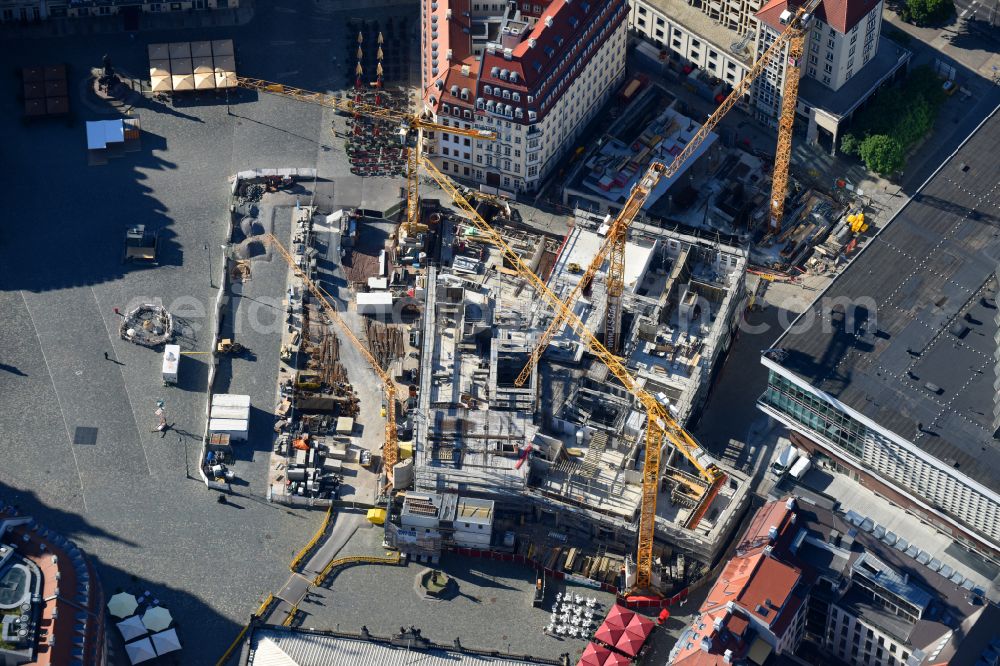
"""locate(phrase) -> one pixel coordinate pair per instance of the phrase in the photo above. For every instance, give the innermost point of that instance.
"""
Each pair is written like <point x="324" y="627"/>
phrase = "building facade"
<point x="697" y="35"/>
<point x="41" y="10"/>
<point x="857" y="445"/>
<point x="535" y="74"/>
<point x="846" y="59"/>
<point x="801" y="575"/>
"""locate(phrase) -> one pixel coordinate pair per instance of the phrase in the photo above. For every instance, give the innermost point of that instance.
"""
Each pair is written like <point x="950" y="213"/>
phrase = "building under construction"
<point x="567" y="446"/>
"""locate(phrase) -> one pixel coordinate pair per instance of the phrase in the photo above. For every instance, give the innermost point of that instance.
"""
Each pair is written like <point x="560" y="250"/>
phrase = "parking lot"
<point x="128" y="496"/>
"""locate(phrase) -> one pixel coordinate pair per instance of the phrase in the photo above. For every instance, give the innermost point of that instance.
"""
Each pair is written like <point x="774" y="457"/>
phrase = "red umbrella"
<point x="630" y="643"/>
<point x="664" y="615"/>
<point x="608" y="634"/>
<point x="615" y="659"/>
<point x="593" y="655"/>
<point x="619" y="616"/>
<point x="639" y="625"/>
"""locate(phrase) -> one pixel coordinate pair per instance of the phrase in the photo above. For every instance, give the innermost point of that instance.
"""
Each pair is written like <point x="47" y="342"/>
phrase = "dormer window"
<point x="487" y="90"/>
<point x="506" y="94"/>
<point x="517" y="97"/>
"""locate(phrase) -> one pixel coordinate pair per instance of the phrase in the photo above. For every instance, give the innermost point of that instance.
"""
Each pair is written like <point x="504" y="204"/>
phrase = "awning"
<point x="131" y="628"/>
<point x="593" y="655"/>
<point x="223" y="47"/>
<point x="619" y="616"/>
<point x="615" y="659"/>
<point x="204" y="81"/>
<point x="630" y="643"/>
<point x="203" y="65"/>
<point x="180" y="50"/>
<point x="140" y="651"/>
<point x="161" y="84"/>
<point x="608" y="634"/>
<point x="225" y="79"/>
<point x="166" y="641"/>
<point x="201" y="49"/>
<point x="159" y="68"/>
<point x="185" y="82"/>
<point x="158" y="52"/>
<point x="639" y="625"/>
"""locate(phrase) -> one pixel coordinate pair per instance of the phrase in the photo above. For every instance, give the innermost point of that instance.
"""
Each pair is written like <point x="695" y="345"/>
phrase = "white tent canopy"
<point x="122" y="604"/>
<point x="131" y="628"/>
<point x="166" y="641"/>
<point x="157" y="618"/>
<point x="140" y="651"/>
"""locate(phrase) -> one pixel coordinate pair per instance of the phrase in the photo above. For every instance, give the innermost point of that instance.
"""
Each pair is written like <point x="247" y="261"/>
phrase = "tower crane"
<point x="614" y="244"/>
<point x="411" y="128"/>
<point x="795" y="35"/>
<point x="659" y="423"/>
<point x="390" y="452"/>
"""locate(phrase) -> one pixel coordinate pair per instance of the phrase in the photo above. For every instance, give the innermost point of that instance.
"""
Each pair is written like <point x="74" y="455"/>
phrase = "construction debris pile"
<point x="148" y="325"/>
<point x="384" y="342"/>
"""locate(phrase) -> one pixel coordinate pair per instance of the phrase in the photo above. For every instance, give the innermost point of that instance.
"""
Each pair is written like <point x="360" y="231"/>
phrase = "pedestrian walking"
<point x="106" y="358"/>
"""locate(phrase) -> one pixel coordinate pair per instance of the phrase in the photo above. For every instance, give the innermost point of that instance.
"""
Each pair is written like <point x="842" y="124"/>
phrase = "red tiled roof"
<point x="768" y="588"/>
<point x="841" y="14"/>
<point x="773" y="514"/>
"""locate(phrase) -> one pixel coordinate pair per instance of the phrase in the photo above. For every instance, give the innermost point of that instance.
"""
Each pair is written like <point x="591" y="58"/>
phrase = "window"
<point x="642" y="10"/>
<point x="812" y="72"/>
<point x="828" y="68"/>
<point x="642" y="23"/>
<point x="444" y="166"/>
<point x="829" y="56"/>
<point x="695" y="43"/>
<point x="813" y="59"/>
<point x="814" y="47"/>
<point x="831" y="43"/>
<point x="444" y="151"/>
<point x="465" y="155"/>
<point x="468" y="142"/>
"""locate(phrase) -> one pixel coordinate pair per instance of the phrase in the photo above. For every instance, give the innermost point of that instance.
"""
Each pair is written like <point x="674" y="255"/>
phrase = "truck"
<point x="801" y="466"/>
<point x="786" y="457"/>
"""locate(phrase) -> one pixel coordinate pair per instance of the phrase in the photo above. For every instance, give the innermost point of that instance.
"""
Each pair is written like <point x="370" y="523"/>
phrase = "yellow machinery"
<point x="856" y="223"/>
<point x="410" y="130"/>
<point x="390" y="452"/>
<point x="659" y="425"/>
<point x="614" y="245"/>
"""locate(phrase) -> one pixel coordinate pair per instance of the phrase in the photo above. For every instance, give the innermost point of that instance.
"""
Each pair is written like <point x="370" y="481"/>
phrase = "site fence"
<point x="631" y="602"/>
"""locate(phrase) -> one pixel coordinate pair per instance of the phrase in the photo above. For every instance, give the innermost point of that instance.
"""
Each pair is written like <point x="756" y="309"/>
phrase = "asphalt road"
<point x="128" y="499"/>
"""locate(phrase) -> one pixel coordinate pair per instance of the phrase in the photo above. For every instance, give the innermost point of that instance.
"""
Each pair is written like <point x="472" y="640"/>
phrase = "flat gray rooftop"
<point x="888" y="58"/>
<point x="906" y="334"/>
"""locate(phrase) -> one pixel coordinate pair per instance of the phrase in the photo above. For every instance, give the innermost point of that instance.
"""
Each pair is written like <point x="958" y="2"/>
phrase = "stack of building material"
<point x="230" y="415"/>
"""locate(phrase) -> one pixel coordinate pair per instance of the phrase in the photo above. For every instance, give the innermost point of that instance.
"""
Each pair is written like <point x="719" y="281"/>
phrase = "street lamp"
<point x="209" y="250"/>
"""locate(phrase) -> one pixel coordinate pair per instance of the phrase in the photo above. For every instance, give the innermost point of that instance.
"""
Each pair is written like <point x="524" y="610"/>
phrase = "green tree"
<point x="927" y="11"/>
<point x="882" y="154"/>
<point x="849" y="144"/>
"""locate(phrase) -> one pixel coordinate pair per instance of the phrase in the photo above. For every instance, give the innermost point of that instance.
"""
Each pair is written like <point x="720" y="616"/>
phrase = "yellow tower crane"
<point x="659" y="423"/>
<point x="795" y="36"/>
<point x="614" y="245"/>
<point x="410" y="132"/>
<point x="390" y="452"/>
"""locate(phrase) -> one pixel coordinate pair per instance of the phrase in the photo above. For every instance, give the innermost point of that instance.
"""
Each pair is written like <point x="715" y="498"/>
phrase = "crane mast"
<point x="614" y="244"/>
